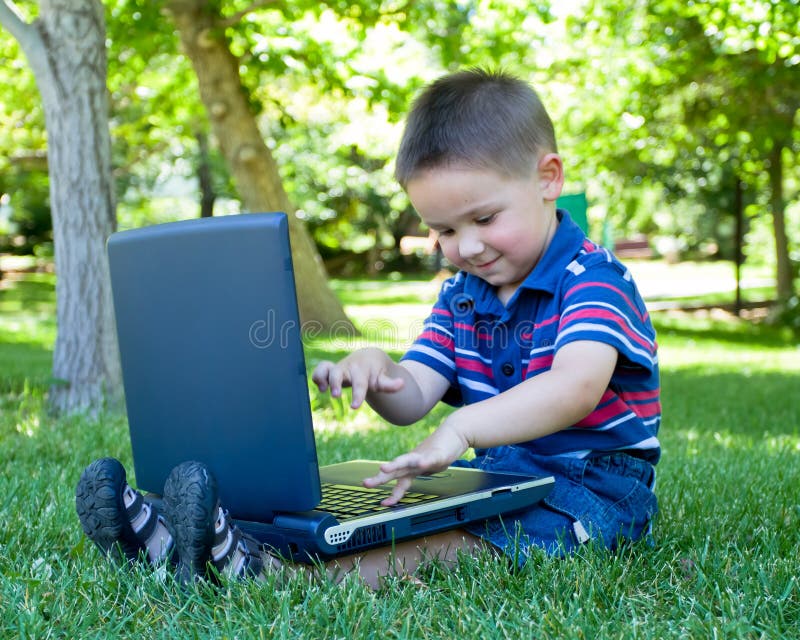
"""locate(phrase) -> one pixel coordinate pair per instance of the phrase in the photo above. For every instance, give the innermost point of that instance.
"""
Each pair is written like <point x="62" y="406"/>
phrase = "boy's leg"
<point x="201" y="529"/>
<point x="404" y="558"/>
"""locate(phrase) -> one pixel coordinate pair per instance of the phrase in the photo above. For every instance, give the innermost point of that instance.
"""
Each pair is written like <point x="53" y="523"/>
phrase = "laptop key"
<point x="349" y="500"/>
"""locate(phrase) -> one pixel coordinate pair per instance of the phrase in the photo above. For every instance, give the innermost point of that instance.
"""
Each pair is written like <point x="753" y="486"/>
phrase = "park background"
<point x="678" y="121"/>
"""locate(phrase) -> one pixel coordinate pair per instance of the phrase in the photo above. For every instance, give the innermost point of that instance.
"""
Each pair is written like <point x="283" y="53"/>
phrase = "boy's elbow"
<point x="399" y="418"/>
<point x="588" y="395"/>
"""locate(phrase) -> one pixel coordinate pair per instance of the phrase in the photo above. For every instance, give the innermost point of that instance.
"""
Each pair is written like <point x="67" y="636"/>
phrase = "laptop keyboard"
<point x="349" y="501"/>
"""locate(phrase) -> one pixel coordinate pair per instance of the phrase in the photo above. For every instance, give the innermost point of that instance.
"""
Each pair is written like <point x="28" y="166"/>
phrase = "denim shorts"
<point x="604" y="499"/>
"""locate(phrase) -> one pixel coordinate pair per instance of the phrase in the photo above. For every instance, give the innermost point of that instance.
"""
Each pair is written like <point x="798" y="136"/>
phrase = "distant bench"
<point x="633" y="247"/>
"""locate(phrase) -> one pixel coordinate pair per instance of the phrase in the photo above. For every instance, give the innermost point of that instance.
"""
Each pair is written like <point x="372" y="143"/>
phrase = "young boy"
<point x="541" y="340"/>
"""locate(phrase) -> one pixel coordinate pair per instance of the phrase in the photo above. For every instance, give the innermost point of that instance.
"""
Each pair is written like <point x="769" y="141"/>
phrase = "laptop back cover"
<point x="212" y="359"/>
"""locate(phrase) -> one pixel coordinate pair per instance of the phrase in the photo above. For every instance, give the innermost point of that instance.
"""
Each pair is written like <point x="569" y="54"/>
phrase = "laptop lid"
<point x="212" y="359"/>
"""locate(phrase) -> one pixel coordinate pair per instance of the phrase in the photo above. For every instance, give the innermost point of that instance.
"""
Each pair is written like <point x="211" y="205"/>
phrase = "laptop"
<point x="213" y="370"/>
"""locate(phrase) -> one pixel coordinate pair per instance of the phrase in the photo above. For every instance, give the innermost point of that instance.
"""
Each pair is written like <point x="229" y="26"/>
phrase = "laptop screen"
<point x="212" y="358"/>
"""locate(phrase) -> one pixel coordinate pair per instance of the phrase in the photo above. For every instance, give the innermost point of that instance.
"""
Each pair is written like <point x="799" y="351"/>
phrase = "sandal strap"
<point x="149" y="526"/>
<point x="136" y="506"/>
<point x="247" y="547"/>
<point x="252" y="549"/>
<point x="133" y="512"/>
<point x="220" y="537"/>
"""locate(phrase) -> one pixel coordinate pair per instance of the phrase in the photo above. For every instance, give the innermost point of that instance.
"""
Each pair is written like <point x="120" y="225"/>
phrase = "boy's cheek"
<point x="450" y="251"/>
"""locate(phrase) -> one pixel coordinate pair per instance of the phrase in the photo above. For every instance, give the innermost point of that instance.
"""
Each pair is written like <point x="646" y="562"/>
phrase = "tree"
<point x="202" y="33"/>
<point x="710" y="93"/>
<point x="65" y="47"/>
<point x="738" y="64"/>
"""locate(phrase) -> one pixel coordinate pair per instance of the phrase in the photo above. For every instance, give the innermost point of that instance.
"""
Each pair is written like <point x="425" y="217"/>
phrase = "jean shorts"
<point x="605" y="499"/>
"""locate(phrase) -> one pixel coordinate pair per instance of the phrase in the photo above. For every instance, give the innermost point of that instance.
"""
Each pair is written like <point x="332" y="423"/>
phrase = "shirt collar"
<point x="565" y="245"/>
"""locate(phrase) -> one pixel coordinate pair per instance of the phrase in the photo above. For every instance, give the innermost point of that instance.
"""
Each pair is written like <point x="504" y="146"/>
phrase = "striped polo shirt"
<point x="577" y="291"/>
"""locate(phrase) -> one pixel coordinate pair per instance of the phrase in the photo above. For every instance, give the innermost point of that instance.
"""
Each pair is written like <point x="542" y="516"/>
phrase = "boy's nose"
<point x="469" y="246"/>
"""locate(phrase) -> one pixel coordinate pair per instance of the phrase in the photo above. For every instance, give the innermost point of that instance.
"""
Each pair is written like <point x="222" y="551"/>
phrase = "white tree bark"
<point x="65" y="47"/>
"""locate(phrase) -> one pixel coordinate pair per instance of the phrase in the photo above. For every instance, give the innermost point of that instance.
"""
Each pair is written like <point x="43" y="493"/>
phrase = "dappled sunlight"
<point x="694" y="442"/>
<point x="693" y="355"/>
<point x="360" y="421"/>
<point x="724" y="344"/>
<point x="23" y="412"/>
<point x="657" y="280"/>
<point x="388" y="290"/>
<point x="783" y="442"/>
<point x="28" y="328"/>
<point x="690" y="436"/>
<point x="393" y="333"/>
<point x="725" y="440"/>
<point x="677" y="119"/>
<point x="29" y="426"/>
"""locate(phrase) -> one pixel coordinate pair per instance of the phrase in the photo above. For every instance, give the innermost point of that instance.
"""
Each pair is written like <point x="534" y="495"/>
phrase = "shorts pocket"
<point x="604" y="504"/>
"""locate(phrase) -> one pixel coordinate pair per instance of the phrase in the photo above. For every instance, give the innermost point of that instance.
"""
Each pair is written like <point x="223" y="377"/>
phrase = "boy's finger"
<point x="382" y="477"/>
<point x="336" y="379"/>
<point x="398" y="492"/>
<point x="404" y="465"/>
<point x="320" y="375"/>
<point x="359" y="386"/>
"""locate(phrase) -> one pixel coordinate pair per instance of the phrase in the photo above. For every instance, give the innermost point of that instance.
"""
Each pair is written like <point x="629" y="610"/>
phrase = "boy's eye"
<point x="445" y="232"/>
<point x="485" y="219"/>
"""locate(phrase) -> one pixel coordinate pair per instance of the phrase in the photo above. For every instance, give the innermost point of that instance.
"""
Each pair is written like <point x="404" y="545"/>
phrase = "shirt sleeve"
<point x="600" y="302"/>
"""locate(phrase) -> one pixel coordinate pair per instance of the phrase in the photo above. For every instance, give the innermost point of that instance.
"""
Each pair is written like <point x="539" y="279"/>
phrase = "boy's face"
<point x="491" y="225"/>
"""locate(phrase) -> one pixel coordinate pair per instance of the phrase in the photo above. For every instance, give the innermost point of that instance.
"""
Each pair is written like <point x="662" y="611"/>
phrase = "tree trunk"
<point x="251" y="163"/>
<point x="785" y="286"/>
<point x="738" y="248"/>
<point x="207" y="194"/>
<point x="66" y="49"/>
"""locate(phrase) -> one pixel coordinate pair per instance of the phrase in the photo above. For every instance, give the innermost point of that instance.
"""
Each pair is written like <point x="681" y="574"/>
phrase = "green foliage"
<point x="156" y="117"/>
<point x="333" y="106"/>
<point x="789" y="316"/>
<point x="24" y="190"/>
<point x="29" y="226"/>
<point x="701" y="95"/>
<point x="660" y="106"/>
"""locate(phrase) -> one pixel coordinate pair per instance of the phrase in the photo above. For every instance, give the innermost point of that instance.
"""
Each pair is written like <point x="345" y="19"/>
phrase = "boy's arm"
<point x="556" y="399"/>
<point x="401" y="393"/>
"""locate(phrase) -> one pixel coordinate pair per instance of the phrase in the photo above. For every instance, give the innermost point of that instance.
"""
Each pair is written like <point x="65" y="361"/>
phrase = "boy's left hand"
<point x="435" y="453"/>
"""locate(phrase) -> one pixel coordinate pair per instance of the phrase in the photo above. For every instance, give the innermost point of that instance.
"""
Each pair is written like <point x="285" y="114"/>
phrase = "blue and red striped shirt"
<point x="577" y="291"/>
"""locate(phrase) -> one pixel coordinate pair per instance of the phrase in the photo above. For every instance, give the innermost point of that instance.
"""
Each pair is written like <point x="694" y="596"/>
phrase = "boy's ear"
<point x="551" y="175"/>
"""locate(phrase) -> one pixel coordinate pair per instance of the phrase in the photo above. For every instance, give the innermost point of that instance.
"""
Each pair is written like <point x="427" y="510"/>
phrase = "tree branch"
<point x="24" y="32"/>
<point x="234" y="19"/>
<point x="12" y="20"/>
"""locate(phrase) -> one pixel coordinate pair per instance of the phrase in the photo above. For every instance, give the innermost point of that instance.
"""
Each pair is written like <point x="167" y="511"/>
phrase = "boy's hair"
<point x="480" y="118"/>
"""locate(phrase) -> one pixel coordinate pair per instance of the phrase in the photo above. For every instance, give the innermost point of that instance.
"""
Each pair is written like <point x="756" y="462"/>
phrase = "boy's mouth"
<point x="486" y="265"/>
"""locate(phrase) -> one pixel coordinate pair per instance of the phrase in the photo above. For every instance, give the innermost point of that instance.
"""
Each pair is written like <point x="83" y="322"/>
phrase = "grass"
<point x="724" y="564"/>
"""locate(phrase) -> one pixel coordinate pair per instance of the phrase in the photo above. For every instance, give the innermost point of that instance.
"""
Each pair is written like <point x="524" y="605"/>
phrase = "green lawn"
<point x="727" y="541"/>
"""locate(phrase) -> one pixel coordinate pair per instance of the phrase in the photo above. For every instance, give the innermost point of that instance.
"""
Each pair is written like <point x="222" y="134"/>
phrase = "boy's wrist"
<point x="458" y="428"/>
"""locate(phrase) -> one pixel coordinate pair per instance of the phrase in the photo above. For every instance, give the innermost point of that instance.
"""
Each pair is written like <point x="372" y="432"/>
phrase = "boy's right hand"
<point x="364" y="370"/>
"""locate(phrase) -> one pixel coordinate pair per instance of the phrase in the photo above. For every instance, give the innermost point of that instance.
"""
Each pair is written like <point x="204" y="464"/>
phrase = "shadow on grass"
<point x="24" y="363"/>
<point x="29" y="292"/>
<point x="732" y="332"/>
<point x="755" y="404"/>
